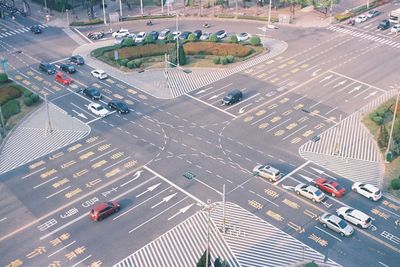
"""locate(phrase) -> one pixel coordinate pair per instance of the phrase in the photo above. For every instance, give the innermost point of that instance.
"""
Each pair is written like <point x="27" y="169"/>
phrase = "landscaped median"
<point x="15" y="102"/>
<point x="192" y="52"/>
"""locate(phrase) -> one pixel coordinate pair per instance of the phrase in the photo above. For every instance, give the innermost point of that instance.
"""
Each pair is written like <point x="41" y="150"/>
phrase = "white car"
<point x="267" y="172"/>
<point x="119" y="40"/>
<point x="176" y="34"/>
<point x="243" y="36"/>
<point x="140" y="37"/>
<point x="336" y="224"/>
<point x="101" y="74"/>
<point x="310" y="192"/>
<point x="354" y="216"/>
<point x="120" y="33"/>
<point x="395" y="28"/>
<point x="132" y="35"/>
<point x="367" y="190"/>
<point x="205" y="36"/>
<point x="97" y="109"/>
<point x="361" y="18"/>
<point x="164" y="34"/>
<point x="221" y="34"/>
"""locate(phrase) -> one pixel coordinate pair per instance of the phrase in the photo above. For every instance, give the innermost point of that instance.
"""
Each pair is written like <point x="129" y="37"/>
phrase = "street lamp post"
<point x="269" y="12"/>
<point x="141" y="7"/>
<point x="66" y="11"/>
<point x="120" y="8"/>
<point x="177" y="41"/>
<point x="236" y="9"/>
<point x="104" y="14"/>
<point x="331" y="10"/>
<point x="45" y="5"/>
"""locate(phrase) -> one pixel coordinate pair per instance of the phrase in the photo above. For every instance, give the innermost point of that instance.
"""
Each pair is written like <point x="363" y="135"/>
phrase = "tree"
<point x="202" y="260"/>
<point x="149" y="39"/>
<point x="234" y="39"/>
<point x="192" y="37"/>
<point x="3" y="77"/>
<point x="128" y="42"/>
<point x="255" y="40"/>
<point x="170" y="38"/>
<point x="325" y="4"/>
<point x="213" y="38"/>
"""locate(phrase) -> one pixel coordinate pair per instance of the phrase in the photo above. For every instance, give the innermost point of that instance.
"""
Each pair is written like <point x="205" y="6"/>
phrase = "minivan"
<point x="385" y="24"/>
<point x="232" y="97"/>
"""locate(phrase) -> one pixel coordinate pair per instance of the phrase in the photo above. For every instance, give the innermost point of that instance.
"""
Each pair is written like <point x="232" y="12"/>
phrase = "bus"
<point x="394" y="16"/>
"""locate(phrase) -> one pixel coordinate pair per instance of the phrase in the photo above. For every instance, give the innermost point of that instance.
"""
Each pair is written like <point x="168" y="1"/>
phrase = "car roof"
<point x="95" y="104"/>
<point x="100" y="206"/>
<point x="371" y="187"/>
<point x="334" y="218"/>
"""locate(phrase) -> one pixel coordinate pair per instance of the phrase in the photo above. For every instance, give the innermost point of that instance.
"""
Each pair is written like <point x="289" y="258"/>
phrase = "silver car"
<point x="354" y="216"/>
<point x="336" y="224"/>
<point x="267" y="172"/>
<point x="310" y="192"/>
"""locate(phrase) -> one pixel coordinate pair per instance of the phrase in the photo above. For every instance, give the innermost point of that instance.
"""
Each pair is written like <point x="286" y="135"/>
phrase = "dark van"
<point x="47" y="67"/>
<point x="385" y="24"/>
<point x="232" y="97"/>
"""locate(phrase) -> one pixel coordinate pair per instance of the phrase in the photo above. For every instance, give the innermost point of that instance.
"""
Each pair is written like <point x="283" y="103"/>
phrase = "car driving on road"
<point x="92" y="93"/>
<point x="361" y="18"/>
<point x="268" y="172"/>
<point x="68" y="68"/>
<point x="310" y="192"/>
<point x="48" y="68"/>
<point x="100" y="74"/>
<point x="97" y="109"/>
<point x="331" y="187"/>
<point x="335" y="223"/>
<point x="119" y="106"/>
<point x="103" y="210"/>
<point x="63" y="78"/>
<point x="78" y="60"/>
<point x="36" y="29"/>
<point x="354" y="216"/>
<point x="367" y="190"/>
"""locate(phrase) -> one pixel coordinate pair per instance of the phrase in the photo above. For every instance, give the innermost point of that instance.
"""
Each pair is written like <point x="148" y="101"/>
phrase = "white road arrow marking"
<point x="355" y="89"/>
<point x="215" y="96"/>
<point x="287" y="187"/>
<point x="241" y="110"/>
<point x="318" y="170"/>
<point x="135" y="176"/>
<point x="182" y="210"/>
<point x="326" y="78"/>
<point x="80" y="114"/>
<point x="165" y="199"/>
<point x="315" y="72"/>
<point x="339" y="83"/>
<point x="149" y="189"/>
<point x="203" y="90"/>
<point x="308" y="179"/>
<point x="370" y="94"/>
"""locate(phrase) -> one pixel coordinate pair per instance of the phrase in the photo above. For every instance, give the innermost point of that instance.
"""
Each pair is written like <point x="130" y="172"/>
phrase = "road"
<point x="316" y="87"/>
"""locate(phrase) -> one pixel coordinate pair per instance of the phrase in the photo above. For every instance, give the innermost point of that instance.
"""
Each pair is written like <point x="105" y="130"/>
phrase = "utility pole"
<point x="269" y="13"/>
<point x="104" y="14"/>
<point x="177" y="41"/>
<point x="330" y="15"/>
<point x="48" y="123"/>
<point x="66" y="11"/>
<point x="236" y="9"/>
<point x="120" y="8"/>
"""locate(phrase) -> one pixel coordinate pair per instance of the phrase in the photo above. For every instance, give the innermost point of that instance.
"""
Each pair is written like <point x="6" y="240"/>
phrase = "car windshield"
<point x="377" y="192"/>
<point x="318" y="192"/>
<point x="228" y="97"/>
<point x="120" y="105"/>
<point x="99" y="107"/>
<point x="93" y="91"/>
<point x="342" y="224"/>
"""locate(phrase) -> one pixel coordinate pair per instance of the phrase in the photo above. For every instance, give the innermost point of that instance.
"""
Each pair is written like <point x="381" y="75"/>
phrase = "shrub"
<point x="224" y="61"/>
<point x="142" y="51"/>
<point x="234" y="39"/>
<point x="137" y="62"/>
<point x="255" y="40"/>
<point x="230" y="58"/>
<point x="377" y="119"/>
<point x="192" y="37"/>
<point x="217" y="49"/>
<point x="149" y="39"/>
<point x="395" y="183"/>
<point x="131" y="64"/>
<point x="10" y="108"/>
<point x="3" y="77"/>
<point x="170" y="38"/>
<point x="27" y="93"/>
<point x="8" y="93"/>
<point x="128" y="42"/>
<point x="213" y="38"/>
<point x="28" y="101"/>
<point x="182" y="56"/>
<point x="343" y="16"/>
<point x="217" y="60"/>
<point x="87" y="22"/>
<point x="35" y="98"/>
<point x="124" y="62"/>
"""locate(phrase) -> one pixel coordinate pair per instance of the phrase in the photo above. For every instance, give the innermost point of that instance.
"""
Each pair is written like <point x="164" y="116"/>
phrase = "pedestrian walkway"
<point x="247" y="241"/>
<point x="33" y="138"/>
<point x="8" y="33"/>
<point x="348" y="148"/>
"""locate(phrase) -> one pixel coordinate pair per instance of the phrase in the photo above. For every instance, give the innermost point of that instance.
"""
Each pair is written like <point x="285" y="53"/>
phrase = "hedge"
<point x="102" y="50"/>
<point x="217" y="60"/>
<point x="213" y="38"/>
<point x="395" y="184"/>
<point x="217" y="49"/>
<point x="10" y="108"/>
<point x="255" y="40"/>
<point x="141" y="51"/>
<point x="3" y="77"/>
<point x="233" y="39"/>
<point x="8" y="93"/>
<point x="230" y="58"/>
<point x="28" y="101"/>
<point x="87" y="22"/>
<point x="128" y="18"/>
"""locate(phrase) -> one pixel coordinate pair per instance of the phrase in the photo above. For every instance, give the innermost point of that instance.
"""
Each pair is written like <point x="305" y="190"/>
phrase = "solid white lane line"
<point x="211" y="106"/>
<point x="338" y="239"/>
<point x="295" y="170"/>
<point x="32" y="173"/>
<point x="45" y="182"/>
<point x="61" y="249"/>
<point x="58" y="192"/>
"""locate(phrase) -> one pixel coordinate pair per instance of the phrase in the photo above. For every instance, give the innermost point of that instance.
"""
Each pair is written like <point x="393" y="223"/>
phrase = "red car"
<point x="63" y="79"/>
<point x="103" y="210"/>
<point x="331" y="187"/>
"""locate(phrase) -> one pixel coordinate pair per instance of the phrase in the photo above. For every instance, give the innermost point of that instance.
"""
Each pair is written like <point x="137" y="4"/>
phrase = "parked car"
<point x="103" y="210"/>
<point x="101" y="74"/>
<point x="92" y="93"/>
<point x="63" y="79"/>
<point x="47" y="68"/>
<point x="140" y="37"/>
<point x="395" y="28"/>
<point x="354" y="216"/>
<point x="331" y="187"/>
<point x="163" y="34"/>
<point x="310" y="192"/>
<point x="120" y="33"/>
<point x="197" y="33"/>
<point x="361" y="18"/>
<point x="78" y="60"/>
<point x="373" y="13"/>
<point x="119" y="106"/>
<point x="367" y="190"/>
<point x="267" y="172"/>
<point x="154" y="34"/>
<point x="336" y="224"/>
<point x="131" y="35"/>
<point x="232" y="97"/>
<point x="384" y="24"/>
<point x="221" y="34"/>
<point x="68" y="68"/>
<point x="36" y="29"/>
<point x="184" y="35"/>
<point x="243" y="36"/>
<point x="95" y="35"/>
<point x="97" y="109"/>
<point x="176" y="34"/>
<point x="205" y="36"/>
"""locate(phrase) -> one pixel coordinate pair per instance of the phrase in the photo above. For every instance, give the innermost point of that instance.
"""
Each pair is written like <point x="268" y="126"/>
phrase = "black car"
<point x="119" y="106"/>
<point x="78" y="60"/>
<point x="92" y="93"/>
<point x="385" y="24"/>
<point x="154" y="34"/>
<point x="184" y="35"/>
<point x="68" y="68"/>
<point x="232" y="97"/>
<point x="47" y="67"/>
<point x="198" y="33"/>
<point x="36" y="29"/>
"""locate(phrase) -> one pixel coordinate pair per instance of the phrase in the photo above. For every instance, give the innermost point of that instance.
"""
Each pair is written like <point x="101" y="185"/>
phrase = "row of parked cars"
<point x="383" y="25"/>
<point x="317" y="193"/>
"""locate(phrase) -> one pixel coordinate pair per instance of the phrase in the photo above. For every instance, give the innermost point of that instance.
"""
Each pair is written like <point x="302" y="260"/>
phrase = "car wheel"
<point x="333" y="194"/>
<point x="324" y="225"/>
<point x="116" y="210"/>
<point x="359" y="225"/>
<point x="313" y="200"/>
<point x="298" y="192"/>
<point x="119" y="111"/>
<point x="355" y="190"/>
<point x="371" y="198"/>
<point x="100" y="218"/>
<point x="342" y="234"/>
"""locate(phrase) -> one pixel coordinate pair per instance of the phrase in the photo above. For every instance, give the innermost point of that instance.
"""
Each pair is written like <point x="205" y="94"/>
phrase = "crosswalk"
<point x="179" y="82"/>
<point x="365" y="35"/>
<point x="348" y="148"/>
<point x="246" y="241"/>
<point x="33" y="138"/>
<point x="8" y="33"/>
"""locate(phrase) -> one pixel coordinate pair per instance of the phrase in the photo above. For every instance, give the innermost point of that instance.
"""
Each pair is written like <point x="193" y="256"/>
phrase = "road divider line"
<point x="295" y="170"/>
<point x="36" y="186"/>
<point x="79" y="262"/>
<point x="338" y="239"/>
<point x="211" y="106"/>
